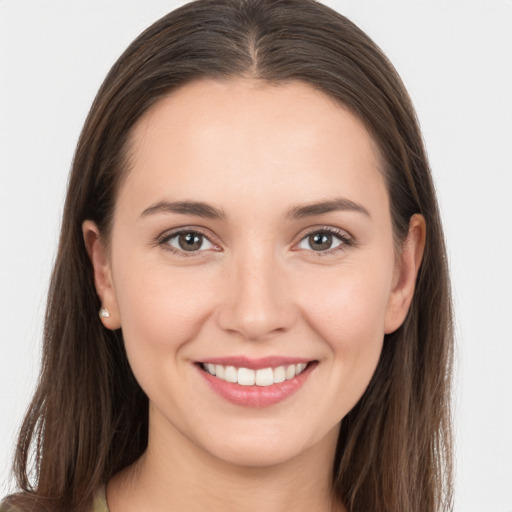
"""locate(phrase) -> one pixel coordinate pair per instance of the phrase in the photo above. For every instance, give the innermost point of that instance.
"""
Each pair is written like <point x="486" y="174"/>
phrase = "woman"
<point x="252" y="214"/>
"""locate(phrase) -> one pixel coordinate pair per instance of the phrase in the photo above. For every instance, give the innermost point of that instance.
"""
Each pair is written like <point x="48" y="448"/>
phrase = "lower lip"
<point x="257" y="396"/>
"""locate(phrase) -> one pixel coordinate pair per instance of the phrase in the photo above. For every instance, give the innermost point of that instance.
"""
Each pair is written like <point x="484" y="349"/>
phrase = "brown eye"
<point x="320" y="241"/>
<point x="189" y="241"/>
<point x="323" y="241"/>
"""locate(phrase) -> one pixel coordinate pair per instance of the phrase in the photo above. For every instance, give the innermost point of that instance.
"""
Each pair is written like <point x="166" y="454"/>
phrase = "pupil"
<point x="190" y="241"/>
<point x="320" y="241"/>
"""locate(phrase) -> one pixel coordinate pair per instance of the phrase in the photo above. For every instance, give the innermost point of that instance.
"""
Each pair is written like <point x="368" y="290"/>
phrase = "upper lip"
<point x="255" y="363"/>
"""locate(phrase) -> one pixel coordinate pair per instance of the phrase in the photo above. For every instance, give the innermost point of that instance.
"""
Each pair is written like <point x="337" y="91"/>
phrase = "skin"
<point x="255" y="288"/>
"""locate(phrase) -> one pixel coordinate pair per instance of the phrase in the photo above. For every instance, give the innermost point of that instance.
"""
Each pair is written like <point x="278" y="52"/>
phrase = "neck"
<point x="175" y="474"/>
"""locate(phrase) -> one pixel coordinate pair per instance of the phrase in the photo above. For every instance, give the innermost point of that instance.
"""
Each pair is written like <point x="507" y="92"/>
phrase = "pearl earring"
<point x="104" y="313"/>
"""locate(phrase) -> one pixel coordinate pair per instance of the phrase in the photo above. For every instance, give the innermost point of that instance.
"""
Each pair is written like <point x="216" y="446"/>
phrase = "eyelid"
<point x="347" y="240"/>
<point x="163" y="238"/>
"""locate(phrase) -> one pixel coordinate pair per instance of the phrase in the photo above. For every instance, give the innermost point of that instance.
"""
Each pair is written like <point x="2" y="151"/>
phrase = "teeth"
<point x="261" y="377"/>
<point x="279" y="374"/>
<point x="290" y="371"/>
<point x="246" y="377"/>
<point x="220" y="371"/>
<point x="264" y="377"/>
<point x="231" y="374"/>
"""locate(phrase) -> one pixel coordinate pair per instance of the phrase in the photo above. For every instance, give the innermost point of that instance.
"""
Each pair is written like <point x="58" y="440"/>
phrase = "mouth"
<point x="253" y="383"/>
<point x="251" y="377"/>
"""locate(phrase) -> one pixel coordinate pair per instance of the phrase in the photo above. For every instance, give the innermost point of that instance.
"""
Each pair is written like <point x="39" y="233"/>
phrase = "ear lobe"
<point x="102" y="274"/>
<point x="407" y="268"/>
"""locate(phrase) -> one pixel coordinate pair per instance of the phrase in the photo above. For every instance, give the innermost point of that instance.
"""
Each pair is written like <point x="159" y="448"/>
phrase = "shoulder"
<point x="5" y="506"/>
<point x="100" y="502"/>
<point x="14" y="504"/>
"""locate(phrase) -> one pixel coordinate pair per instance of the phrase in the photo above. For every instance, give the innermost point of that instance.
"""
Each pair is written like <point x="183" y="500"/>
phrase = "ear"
<point x="406" y="270"/>
<point x="102" y="273"/>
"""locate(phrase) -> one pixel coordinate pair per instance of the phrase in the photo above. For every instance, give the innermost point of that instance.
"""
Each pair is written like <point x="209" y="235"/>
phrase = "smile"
<point x="256" y="383"/>
<point x="250" y="377"/>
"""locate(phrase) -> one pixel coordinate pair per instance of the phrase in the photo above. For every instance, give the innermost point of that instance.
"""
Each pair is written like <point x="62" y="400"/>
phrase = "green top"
<point x="100" y="502"/>
<point x="99" y="505"/>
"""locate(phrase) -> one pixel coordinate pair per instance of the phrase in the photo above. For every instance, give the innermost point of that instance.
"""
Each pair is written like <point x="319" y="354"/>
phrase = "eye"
<point x="324" y="240"/>
<point x="188" y="241"/>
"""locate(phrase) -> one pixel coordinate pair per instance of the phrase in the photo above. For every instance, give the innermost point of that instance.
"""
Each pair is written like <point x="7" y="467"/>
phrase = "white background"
<point x="455" y="57"/>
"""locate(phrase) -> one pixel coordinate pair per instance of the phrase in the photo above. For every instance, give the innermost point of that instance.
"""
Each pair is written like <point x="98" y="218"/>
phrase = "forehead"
<point x="252" y="139"/>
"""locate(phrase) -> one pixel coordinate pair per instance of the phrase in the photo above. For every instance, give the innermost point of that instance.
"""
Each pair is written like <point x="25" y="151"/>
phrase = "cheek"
<point x="346" y="302"/>
<point x="161" y="309"/>
<point x="347" y="312"/>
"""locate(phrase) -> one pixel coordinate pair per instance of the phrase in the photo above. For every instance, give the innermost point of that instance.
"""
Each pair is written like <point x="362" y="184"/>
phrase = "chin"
<point x="266" y="447"/>
<point x="258" y="456"/>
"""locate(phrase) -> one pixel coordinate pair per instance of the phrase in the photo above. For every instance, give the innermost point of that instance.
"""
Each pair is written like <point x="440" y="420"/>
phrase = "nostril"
<point x="256" y="324"/>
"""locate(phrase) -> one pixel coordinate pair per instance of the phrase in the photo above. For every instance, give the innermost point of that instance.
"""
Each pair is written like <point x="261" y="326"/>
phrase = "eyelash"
<point x="164" y="240"/>
<point x="345" y="239"/>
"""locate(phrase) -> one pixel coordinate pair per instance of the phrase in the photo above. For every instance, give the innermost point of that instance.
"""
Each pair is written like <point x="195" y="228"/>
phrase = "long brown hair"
<point x="89" y="417"/>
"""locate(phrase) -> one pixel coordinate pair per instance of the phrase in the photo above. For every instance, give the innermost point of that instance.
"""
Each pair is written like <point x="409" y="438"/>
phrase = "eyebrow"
<point x="197" y="208"/>
<point x="331" y="205"/>
<point x="207" y="211"/>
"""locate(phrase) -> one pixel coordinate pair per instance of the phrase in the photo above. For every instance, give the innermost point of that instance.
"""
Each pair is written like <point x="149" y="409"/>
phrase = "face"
<point x="252" y="240"/>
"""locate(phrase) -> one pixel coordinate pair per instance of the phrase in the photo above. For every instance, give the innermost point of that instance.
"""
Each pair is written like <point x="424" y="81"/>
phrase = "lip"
<point x="256" y="363"/>
<point x="256" y="396"/>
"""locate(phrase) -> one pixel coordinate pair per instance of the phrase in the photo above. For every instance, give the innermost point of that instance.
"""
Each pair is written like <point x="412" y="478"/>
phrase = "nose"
<point x="256" y="303"/>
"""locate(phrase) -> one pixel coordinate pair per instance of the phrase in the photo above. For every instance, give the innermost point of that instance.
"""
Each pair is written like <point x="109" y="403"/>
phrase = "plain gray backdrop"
<point x="455" y="57"/>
